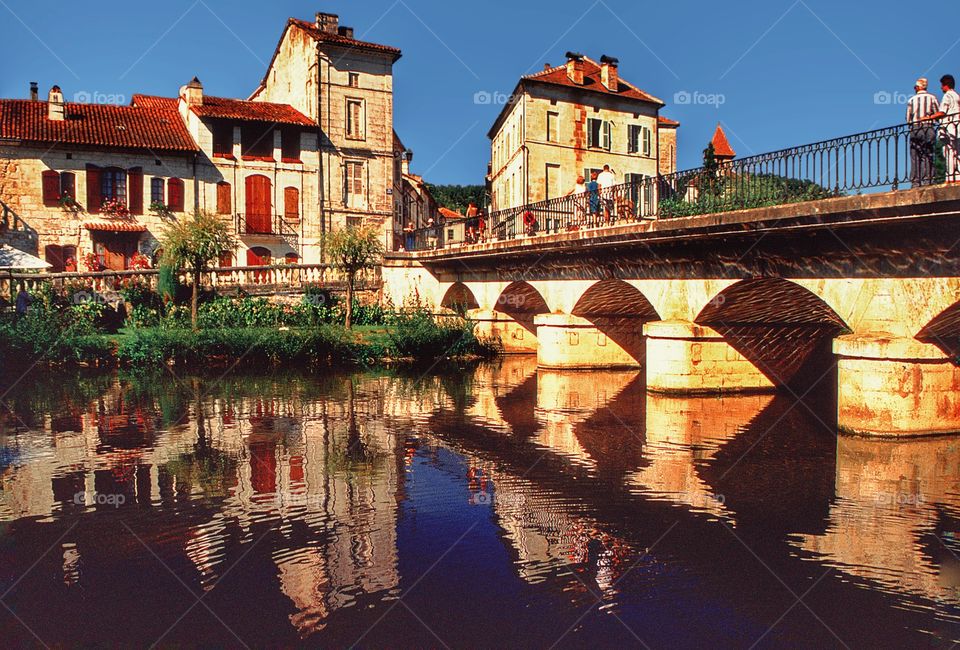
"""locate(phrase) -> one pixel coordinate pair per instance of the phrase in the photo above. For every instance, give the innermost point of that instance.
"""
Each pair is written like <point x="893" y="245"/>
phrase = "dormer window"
<point x="256" y="141"/>
<point x="290" y="144"/>
<point x="223" y="140"/>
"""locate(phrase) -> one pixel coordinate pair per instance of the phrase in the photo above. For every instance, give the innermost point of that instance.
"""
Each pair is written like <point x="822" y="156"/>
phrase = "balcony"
<point x="276" y="226"/>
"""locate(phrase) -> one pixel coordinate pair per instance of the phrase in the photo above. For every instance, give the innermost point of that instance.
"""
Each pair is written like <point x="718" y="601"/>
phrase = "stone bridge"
<point x="860" y="294"/>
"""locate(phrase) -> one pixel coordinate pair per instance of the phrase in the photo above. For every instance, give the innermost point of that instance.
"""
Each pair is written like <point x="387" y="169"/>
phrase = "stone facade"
<point x="557" y="127"/>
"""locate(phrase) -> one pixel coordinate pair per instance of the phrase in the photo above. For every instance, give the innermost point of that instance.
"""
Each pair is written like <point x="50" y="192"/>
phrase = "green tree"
<point x="353" y="250"/>
<point x="458" y="197"/>
<point x="191" y="244"/>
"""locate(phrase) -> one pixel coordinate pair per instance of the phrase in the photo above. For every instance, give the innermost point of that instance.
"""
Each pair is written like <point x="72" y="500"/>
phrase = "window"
<point x="223" y="139"/>
<point x="646" y="142"/>
<point x="553" y="123"/>
<point x="354" y="79"/>
<point x="175" y="195"/>
<point x="113" y="184"/>
<point x="256" y="141"/>
<point x="598" y="133"/>
<point x="356" y="123"/>
<point x="291" y="204"/>
<point x="290" y="144"/>
<point x="224" y="198"/>
<point x="156" y="191"/>
<point x="588" y="173"/>
<point x="57" y="185"/>
<point x="633" y="138"/>
<point x="61" y="258"/>
<point x="354" y="183"/>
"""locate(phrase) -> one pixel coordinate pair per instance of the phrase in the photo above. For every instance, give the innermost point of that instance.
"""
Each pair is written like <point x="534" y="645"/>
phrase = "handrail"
<point x="884" y="158"/>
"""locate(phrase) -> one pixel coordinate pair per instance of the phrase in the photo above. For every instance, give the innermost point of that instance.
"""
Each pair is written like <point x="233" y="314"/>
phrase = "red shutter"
<point x="135" y="190"/>
<point x="51" y="188"/>
<point x="291" y="203"/>
<point x="93" y="189"/>
<point x="175" y="195"/>
<point x="223" y="198"/>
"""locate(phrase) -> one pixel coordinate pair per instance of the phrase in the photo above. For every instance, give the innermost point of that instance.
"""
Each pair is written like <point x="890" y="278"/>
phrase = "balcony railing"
<point x="884" y="159"/>
<point x="270" y="225"/>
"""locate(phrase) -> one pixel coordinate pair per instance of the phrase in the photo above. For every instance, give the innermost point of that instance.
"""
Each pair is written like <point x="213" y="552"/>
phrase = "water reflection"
<point x="319" y="501"/>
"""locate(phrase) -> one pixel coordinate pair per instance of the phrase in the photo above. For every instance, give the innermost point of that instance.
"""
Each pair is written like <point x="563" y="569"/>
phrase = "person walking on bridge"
<point x="949" y="116"/>
<point x="923" y="135"/>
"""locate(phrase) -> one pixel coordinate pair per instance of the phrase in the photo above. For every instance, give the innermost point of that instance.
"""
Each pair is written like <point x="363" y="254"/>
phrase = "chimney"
<point x="56" y="110"/>
<point x="34" y="91"/>
<point x="327" y="22"/>
<point x="609" y="74"/>
<point x="346" y="32"/>
<point x="406" y="160"/>
<point x="192" y="93"/>
<point x="575" y="67"/>
<point x="547" y="66"/>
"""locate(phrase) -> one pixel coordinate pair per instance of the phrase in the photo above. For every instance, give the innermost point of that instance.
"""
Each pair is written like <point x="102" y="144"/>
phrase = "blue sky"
<point x="774" y="72"/>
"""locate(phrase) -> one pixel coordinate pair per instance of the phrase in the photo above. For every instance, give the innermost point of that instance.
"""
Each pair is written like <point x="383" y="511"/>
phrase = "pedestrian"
<point x="432" y="233"/>
<point x="481" y="226"/>
<point x="409" y="236"/>
<point x="949" y="115"/>
<point x="593" y="190"/>
<point x="923" y="135"/>
<point x="529" y="224"/>
<point x="579" y="194"/>
<point x="606" y="180"/>
<point x="471" y="209"/>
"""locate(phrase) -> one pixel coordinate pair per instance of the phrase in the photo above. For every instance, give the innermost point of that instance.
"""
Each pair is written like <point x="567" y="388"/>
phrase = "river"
<point x="499" y="506"/>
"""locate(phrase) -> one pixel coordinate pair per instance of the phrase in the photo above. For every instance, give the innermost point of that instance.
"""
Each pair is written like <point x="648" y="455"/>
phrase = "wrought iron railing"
<point x="273" y="225"/>
<point x="883" y="159"/>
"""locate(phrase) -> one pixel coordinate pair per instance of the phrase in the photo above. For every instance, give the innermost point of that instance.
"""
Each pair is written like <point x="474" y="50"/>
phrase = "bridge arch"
<point x="782" y="328"/>
<point x="459" y="298"/>
<point x="619" y="310"/>
<point x="522" y="302"/>
<point x="944" y="331"/>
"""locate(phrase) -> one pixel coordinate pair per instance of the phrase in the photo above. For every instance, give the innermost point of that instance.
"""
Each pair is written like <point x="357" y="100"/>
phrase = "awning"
<point x="13" y="258"/>
<point x="115" y="226"/>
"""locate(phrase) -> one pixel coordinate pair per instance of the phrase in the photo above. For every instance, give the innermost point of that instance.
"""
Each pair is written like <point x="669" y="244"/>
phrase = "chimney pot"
<point x="192" y="93"/>
<point x="34" y="91"/>
<point x="328" y="22"/>
<point x="56" y="110"/>
<point x="575" y="67"/>
<point x="345" y="31"/>
<point x="547" y="66"/>
<point x="609" y="74"/>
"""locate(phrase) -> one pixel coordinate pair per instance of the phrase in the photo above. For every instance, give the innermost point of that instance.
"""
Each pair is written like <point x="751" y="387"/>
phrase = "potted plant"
<point x="114" y="208"/>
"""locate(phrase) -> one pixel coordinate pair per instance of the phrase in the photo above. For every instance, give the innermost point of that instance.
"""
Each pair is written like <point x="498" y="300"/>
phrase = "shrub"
<point x="419" y="335"/>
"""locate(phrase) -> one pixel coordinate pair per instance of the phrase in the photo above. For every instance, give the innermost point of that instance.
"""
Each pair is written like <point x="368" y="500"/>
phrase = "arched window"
<point x="258" y="256"/>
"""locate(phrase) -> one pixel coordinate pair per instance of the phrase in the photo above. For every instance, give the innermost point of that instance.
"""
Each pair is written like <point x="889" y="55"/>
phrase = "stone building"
<point x="346" y="86"/>
<point x="92" y="185"/>
<point x="573" y="119"/>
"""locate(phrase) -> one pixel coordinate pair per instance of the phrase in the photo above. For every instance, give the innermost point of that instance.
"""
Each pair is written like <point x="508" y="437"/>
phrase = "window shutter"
<point x="291" y="203"/>
<point x="135" y="190"/>
<point x="175" y="195"/>
<point x="223" y="198"/>
<point x="93" y="189"/>
<point x="591" y="138"/>
<point x="68" y="185"/>
<point x="51" y="188"/>
<point x="606" y="135"/>
<point x="646" y="142"/>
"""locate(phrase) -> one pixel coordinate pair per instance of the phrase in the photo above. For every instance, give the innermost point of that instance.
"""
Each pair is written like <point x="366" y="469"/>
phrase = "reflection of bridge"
<point x="750" y="300"/>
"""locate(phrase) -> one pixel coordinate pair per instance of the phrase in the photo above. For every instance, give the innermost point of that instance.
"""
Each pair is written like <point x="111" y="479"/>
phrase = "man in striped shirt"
<point x="922" y="133"/>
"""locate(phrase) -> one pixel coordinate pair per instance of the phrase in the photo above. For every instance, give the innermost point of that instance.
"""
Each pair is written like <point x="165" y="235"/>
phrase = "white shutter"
<point x="606" y="135"/>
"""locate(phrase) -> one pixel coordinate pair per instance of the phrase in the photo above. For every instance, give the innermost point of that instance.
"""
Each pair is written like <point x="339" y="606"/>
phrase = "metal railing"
<point x="271" y="225"/>
<point x="884" y="159"/>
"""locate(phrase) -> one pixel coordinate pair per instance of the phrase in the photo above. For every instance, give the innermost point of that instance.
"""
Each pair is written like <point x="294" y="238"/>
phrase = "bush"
<point x="420" y="336"/>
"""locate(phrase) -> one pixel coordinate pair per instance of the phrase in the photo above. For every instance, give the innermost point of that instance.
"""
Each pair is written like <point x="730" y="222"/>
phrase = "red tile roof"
<point x="591" y="81"/>
<point x="721" y="146"/>
<point x="99" y="125"/>
<point x="239" y="109"/>
<point x="115" y="226"/>
<point x="338" y="39"/>
<point x="234" y="109"/>
<point x="667" y="122"/>
<point x="449" y="214"/>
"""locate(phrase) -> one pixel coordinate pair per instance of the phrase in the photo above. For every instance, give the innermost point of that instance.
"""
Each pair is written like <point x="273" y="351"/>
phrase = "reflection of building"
<point x="682" y="433"/>
<point x="883" y="526"/>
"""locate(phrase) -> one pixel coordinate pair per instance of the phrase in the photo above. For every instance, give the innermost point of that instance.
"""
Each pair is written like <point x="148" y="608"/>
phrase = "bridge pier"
<point x="892" y="386"/>
<point x="515" y="337"/>
<point x="685" y="358"/>
<point x="571" y="342"/>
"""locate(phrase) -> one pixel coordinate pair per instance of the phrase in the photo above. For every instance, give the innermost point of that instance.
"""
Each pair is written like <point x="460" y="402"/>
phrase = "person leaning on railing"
<point x="949" y="115"/>
<point x="923" y="134"/>
<point x="579" y="194"/>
